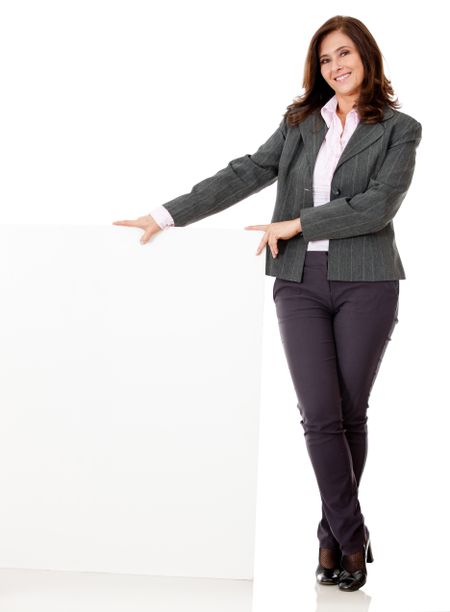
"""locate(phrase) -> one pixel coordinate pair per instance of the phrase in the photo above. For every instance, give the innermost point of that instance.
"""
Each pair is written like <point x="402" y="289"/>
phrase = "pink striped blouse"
<point x="335" y="140"/>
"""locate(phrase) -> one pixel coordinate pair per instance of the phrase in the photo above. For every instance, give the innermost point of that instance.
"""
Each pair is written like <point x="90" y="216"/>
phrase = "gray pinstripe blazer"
<point x="368" y="186"/>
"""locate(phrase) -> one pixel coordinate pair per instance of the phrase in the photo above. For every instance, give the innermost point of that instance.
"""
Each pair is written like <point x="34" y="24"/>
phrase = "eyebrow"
<point x="338" y="49"/>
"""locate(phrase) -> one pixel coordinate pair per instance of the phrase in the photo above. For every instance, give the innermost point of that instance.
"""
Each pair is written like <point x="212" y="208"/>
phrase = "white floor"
<point x="28" y="590"/>
<point x="52" y="591"/>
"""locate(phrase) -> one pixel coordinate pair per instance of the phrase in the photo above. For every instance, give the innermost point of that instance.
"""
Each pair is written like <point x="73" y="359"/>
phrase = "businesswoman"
<point x="343" y="157"/>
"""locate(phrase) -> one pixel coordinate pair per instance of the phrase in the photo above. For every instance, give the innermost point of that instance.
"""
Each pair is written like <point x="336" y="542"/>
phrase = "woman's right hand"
<point x="147" y="223"/>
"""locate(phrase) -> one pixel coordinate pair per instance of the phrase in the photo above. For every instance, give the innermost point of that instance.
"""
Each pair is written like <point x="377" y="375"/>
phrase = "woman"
<point x="344" y="157"/>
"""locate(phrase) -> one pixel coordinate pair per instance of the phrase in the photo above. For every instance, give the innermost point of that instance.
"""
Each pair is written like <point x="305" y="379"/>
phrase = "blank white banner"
<point x="129" y="399"/>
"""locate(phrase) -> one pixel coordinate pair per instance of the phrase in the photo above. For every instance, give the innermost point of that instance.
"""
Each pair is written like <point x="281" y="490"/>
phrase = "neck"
<point x="345" y="104"/>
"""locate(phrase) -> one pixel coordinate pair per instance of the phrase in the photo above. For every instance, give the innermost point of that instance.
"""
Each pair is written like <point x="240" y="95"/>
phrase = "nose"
<point x="336" y="69"/>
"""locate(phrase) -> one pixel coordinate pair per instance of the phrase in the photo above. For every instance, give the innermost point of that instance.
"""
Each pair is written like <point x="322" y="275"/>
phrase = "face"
<point x="339" y="56"/>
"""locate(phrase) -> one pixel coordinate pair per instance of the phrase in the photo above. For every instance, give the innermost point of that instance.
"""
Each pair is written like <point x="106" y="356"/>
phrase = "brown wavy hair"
<point x="375" y="91"/>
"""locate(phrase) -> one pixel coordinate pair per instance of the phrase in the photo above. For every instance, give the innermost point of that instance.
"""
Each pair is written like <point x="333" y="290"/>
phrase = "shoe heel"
<point x="369" y="554"/>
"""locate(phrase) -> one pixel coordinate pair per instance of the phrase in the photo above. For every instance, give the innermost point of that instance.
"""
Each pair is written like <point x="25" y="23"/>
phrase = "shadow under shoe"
<point x="329" y="568"/>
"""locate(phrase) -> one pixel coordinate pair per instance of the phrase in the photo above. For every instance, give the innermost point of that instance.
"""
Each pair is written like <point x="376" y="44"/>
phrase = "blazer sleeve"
<point x="372" y="210"/>
<point x="241" y="178"/>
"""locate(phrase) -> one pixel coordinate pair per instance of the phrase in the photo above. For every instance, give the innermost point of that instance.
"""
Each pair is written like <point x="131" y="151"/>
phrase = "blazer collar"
<point x="314" y="128"/>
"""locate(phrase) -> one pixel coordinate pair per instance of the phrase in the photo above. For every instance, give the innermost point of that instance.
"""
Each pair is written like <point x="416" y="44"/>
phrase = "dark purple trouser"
<point x="334" y="335"/>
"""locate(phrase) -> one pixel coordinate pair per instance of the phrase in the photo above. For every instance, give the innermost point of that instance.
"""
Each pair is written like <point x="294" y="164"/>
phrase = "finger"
<point x="257" y="227"/>
<point x="125" y="222"/>
<point x="273" y="244"/>
<point x="146" y="237"/>
<point x="261" y="245"/>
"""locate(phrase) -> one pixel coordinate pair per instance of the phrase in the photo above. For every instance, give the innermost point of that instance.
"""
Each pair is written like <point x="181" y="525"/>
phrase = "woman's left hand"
<point x="283" y="230"/>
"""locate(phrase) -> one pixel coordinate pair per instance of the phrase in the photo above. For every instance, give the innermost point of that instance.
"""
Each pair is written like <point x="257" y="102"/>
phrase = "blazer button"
<point x="336" y="191"/>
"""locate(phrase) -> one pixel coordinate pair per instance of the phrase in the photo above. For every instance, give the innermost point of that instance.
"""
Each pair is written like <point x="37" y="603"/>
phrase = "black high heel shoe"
<point x="327" y="576"/>
<point x="352" y="581"/>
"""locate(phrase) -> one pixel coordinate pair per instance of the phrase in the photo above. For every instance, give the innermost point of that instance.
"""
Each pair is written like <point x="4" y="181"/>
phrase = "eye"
<point x="342" y="52"/>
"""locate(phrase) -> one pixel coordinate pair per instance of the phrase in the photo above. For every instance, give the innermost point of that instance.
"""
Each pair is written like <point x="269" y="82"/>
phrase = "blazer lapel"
<point x="314" y="129"/>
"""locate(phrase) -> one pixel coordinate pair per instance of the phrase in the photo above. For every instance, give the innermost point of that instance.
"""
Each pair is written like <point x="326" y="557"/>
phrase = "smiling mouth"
<point x="342" y="77"/>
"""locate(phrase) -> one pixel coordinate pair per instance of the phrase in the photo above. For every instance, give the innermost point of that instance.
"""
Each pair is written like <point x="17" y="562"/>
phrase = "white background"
<point x="109" y="109"/>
